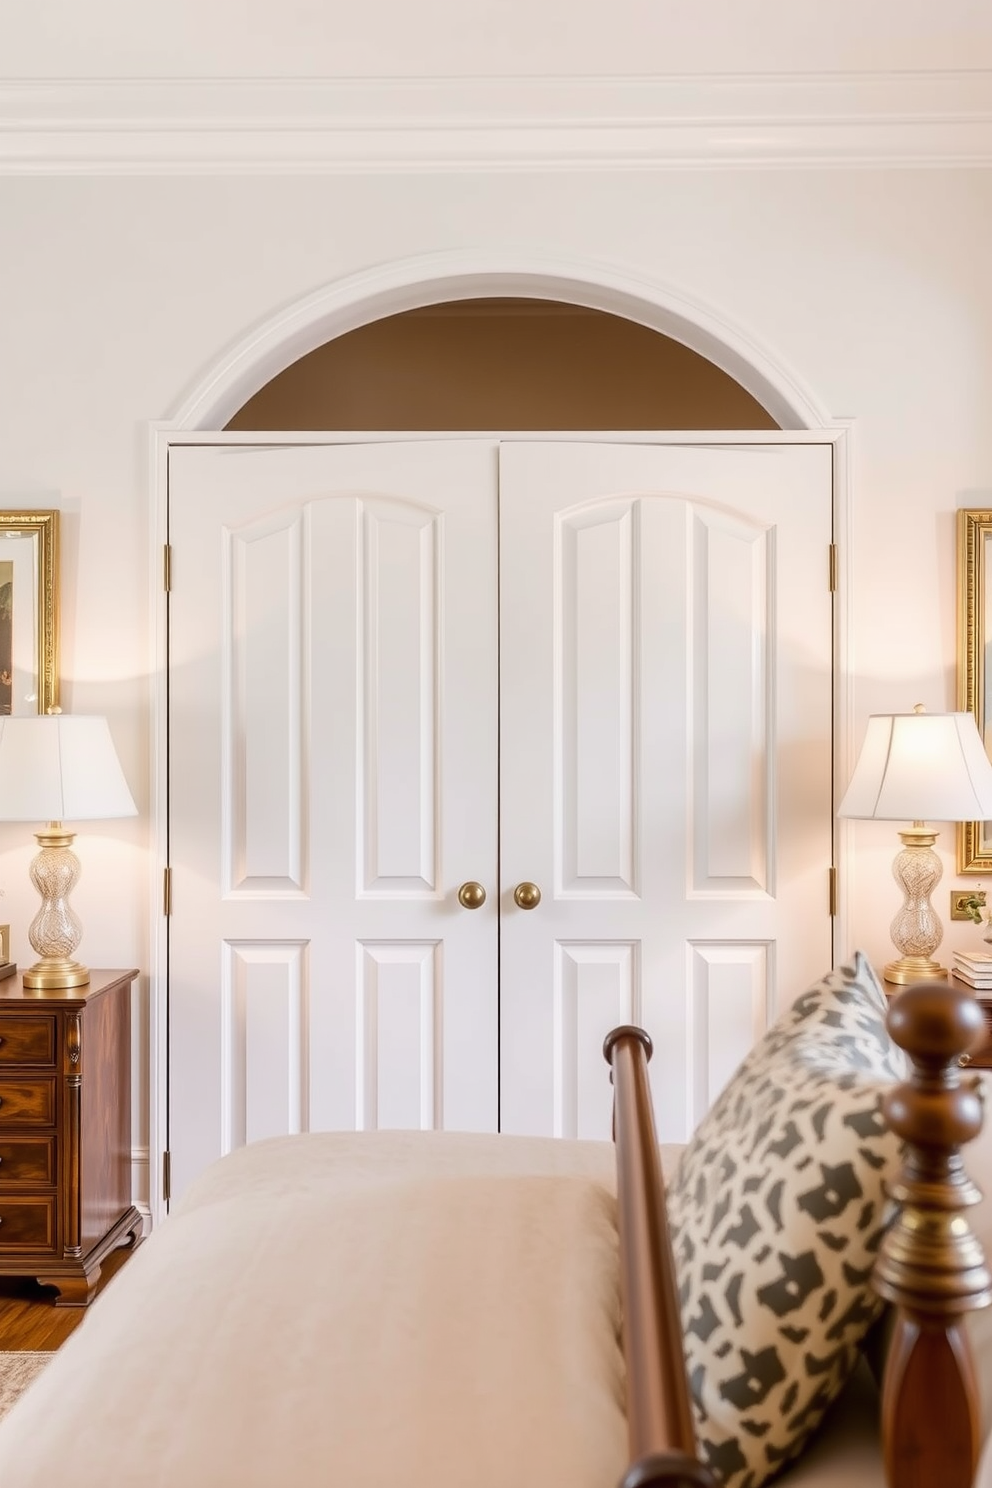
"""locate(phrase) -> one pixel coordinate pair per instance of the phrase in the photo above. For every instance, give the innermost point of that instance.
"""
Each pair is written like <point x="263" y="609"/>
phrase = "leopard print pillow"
<point x="776" y="1210"/>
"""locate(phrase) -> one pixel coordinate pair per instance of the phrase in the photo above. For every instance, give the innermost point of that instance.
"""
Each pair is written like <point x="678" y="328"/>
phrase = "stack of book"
<point x="975" y="968"/>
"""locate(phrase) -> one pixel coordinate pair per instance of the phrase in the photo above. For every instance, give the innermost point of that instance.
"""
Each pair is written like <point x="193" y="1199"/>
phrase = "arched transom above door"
<point x="502" y="363"/>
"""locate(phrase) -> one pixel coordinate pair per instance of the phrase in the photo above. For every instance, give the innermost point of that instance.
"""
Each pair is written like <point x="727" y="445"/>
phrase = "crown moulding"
<point x="162" y="126"/>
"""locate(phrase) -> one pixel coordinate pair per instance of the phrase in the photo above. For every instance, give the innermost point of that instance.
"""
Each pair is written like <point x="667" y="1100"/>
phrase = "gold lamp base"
<point x="910" y="969"/>
<point x="53" y="973"/>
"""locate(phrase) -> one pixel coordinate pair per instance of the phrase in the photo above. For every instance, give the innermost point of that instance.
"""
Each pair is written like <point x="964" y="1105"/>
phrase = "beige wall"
<point x="502" y="364"/>
<point x="870" y="286"/>
<point x="807" y="212"/>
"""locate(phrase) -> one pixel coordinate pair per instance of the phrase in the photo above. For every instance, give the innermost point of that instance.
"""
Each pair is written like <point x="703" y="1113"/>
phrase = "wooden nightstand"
<point x="65" y="1131"/>
<point x="981" y="1056"/>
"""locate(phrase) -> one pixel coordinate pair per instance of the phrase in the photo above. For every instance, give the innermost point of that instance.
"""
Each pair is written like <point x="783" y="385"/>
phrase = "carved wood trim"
<point x="72" y="1127"/>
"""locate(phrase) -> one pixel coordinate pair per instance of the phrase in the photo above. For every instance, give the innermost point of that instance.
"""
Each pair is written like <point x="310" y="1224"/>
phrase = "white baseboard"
<point x="140" y="1187"/>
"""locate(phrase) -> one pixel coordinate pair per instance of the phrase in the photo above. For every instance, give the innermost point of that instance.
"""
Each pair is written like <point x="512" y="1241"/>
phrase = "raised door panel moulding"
<point x="163" y="126"/>
<point x="597" y="986"/>
<point x="729" y="693"/>
<point x="596" y="590"/>
<point x="265" y="1040"/>
<point x="398" y="1064"/>
<point x="265" y="708"/>
<point x="730" y="1001"/>
<point x="399" y="788"/>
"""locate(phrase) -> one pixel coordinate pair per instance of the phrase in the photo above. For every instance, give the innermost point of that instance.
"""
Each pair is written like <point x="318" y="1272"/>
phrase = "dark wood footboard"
<point x="659" y="1411"/>
<point x="930" y="1265"/>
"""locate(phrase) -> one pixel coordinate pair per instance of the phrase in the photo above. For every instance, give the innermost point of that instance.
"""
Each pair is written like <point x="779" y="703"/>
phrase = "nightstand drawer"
<point x="27" y="1224"/>
<point x="27" y="1102"/>
<point x="26" y="1160"/>
<point x="28" y="1040"/>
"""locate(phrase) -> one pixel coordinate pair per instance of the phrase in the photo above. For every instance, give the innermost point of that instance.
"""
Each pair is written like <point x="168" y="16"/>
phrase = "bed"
<point x="436" y="1309"/>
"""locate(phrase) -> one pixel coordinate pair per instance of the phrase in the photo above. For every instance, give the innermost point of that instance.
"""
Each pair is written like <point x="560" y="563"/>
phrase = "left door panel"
<point x="333" y="780"/>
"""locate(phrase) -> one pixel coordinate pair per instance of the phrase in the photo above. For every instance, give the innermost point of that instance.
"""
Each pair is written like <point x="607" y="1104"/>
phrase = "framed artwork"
<point x="974" y="669"/>
<point x="29" y="611"/>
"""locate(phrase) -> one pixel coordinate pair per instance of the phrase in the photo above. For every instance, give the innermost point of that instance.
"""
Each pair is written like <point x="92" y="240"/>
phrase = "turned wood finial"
<point x="930" y="1265"/>
<point x="929" y="1260"/>
<point x="626" y="1031"/>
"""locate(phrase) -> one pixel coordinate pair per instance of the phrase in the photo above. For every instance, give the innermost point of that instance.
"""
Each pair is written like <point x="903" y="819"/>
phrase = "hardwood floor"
<point x="29" y="1318"/>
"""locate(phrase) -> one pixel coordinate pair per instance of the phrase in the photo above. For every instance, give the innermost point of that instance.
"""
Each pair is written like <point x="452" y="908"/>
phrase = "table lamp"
<point x="58" y="767"/>
<point x="919" y="767"/>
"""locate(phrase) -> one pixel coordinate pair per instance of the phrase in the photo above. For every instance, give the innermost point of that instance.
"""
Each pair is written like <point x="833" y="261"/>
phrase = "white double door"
<point x="397" y="668"/>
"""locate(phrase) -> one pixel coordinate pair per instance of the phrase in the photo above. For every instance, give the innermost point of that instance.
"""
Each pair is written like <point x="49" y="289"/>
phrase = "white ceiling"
<point x="115" y="39"/>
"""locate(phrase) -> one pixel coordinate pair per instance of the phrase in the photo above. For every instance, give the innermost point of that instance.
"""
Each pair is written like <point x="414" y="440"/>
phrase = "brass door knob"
<point x="526" y="896"/>
<point x="471" y="895"/>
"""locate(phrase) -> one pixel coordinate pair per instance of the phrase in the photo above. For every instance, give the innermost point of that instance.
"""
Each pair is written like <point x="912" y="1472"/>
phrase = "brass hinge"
<point x="166" y="1176"/>
<point x="832" y="891"/>
<point x="167" y="568"/>
<point x="167" y="891"/>
<point x="833" y="568"/>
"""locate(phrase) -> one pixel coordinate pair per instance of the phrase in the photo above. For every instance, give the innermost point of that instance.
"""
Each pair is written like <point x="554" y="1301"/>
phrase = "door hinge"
<point x="167" y="891"/>
<point x="832" y="567"/>
<point x="167" y="568"/>
<point x="166" y="1176"/>
<point x="832" y="891"/>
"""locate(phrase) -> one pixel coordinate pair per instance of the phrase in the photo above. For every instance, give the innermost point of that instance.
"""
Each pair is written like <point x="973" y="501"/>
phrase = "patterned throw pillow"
<point x="776" y="1211"/>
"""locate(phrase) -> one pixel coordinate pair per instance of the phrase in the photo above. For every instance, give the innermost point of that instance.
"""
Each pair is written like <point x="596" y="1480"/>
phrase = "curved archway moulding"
<point x="409" y="284"/>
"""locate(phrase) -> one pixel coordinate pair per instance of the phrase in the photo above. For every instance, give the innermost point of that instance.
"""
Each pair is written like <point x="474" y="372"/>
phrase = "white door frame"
<point x="342" y="306"/>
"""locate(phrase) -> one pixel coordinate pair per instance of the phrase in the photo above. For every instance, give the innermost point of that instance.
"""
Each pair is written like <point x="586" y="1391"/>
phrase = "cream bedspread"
<point x="431" y="1309"/>
<point x="315" y="1314"/>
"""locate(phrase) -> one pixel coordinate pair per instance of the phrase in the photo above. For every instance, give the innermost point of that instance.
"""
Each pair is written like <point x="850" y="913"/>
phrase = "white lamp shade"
<point x="60" y="767"/>
<point x="921" y="767"/>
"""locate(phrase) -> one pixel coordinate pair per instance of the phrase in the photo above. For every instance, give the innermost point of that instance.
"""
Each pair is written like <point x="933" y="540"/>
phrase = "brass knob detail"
<point x="526" y="896"/>
<point x="471" y="895"/>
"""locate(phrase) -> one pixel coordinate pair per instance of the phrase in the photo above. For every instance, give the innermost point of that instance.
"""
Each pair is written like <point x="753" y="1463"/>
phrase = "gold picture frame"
<point x="29" y="611"/>
<point x="974" y="595"/>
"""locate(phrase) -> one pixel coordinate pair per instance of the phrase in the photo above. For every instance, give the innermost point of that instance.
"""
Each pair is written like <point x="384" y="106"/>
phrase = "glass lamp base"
<point x="55" y="931"/>
<point x="916" y="931"/>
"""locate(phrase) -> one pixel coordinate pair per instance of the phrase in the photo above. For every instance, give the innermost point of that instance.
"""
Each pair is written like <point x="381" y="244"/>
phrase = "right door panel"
<point x="665" y="767"/>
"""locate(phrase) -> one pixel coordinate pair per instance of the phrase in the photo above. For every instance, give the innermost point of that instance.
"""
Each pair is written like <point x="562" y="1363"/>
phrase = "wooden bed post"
<point x="659" y="1411"/>
<point x="930" y="1265"/>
